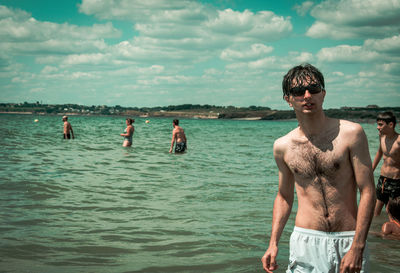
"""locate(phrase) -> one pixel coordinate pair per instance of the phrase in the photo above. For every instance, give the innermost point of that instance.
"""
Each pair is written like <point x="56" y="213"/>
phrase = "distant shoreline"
<point x="358" y="120"/>
<point x="190" y="111"/>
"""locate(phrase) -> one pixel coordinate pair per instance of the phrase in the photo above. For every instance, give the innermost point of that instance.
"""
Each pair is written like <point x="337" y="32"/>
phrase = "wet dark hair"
<point x="303" y="75"/>
<point x="386" y="117"/>
<point x="394" y="207"/>
<point x="175" y="121"/>
<point x="130" y="120"/>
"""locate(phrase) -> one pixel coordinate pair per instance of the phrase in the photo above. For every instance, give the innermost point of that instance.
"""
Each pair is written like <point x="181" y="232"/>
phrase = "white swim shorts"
<point x="313" y="251"/>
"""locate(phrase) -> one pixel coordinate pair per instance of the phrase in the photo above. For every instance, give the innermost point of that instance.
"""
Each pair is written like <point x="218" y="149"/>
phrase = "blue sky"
<point x="219" y="52"/>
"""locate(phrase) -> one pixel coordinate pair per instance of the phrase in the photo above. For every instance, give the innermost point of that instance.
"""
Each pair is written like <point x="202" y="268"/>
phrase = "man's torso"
<point x="324" y="180"/>
<point x="179" y="135"/>
<point x="67" y="127"/>
<point x="391" y="157"/>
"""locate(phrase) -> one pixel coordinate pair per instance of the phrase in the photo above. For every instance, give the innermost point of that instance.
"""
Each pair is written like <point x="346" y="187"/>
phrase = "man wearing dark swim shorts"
<point x="389" y="148"/>
<point x="180" y="147"/>
<point x="178" y="138"/>
<point x="387" y="188"/>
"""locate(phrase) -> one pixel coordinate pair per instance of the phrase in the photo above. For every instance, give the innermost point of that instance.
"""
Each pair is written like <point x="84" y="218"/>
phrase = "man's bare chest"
<point x="309" y="162"/>
<point x="391" y="148"/>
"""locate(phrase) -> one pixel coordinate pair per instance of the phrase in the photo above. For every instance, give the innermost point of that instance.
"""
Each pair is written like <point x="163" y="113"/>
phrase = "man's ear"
<point x="323" y="94"/>
<point x="287" y="99"/>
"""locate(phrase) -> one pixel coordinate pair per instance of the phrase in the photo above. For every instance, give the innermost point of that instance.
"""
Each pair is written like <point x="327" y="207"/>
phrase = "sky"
<point x="219" y="52"/>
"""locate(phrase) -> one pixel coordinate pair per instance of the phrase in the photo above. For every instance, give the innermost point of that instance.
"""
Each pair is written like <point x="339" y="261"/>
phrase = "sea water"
<point x="91" y="205"/>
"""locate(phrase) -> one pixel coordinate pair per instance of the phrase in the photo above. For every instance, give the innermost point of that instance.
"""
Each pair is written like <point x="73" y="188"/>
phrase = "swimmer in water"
<point x="128" y="133"/>
<point x="67" y="129"/>
<point x="178" y="138"/>
<point x="393" y="210"/>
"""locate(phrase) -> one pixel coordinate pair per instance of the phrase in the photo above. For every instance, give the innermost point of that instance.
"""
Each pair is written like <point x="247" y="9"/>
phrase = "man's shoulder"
<point x="285" y="140"/>
<point x="349" y="127"/>
<point x="349" y="124"/>
<point x="351" y="133"/>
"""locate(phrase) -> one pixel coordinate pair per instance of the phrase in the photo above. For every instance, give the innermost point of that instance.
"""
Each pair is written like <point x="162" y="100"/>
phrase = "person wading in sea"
<point x="67" y="129"/>
<point x="178" y="137"/>
<point x="389" y="147"/>
<point x="128" y="133"/>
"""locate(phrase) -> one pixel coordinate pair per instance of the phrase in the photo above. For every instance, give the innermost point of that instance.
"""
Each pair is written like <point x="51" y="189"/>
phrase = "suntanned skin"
<point x="389" y="148"/>
<point x="178" y="135"/>
<point x="327" y="160"/>
<point x="392" y="227"/>
<point x="68" y="128"/>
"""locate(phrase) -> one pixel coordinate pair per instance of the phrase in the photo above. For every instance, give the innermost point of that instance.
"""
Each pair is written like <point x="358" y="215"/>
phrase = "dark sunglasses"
<point x="301" y="90"/>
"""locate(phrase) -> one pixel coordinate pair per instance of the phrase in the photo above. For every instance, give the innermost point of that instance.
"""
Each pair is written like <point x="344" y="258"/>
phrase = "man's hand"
<point x="269" y="259"/>
<point x="351" y="262"/>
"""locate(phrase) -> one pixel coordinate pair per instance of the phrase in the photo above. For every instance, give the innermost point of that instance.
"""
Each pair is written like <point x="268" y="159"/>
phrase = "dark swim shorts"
<point x="67" y="136"/>
<point x="180" y="147"/>
<point x="387" y="188"/>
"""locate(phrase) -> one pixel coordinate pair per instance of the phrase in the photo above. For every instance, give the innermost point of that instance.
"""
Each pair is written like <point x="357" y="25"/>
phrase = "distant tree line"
<point x="224" y="112"/>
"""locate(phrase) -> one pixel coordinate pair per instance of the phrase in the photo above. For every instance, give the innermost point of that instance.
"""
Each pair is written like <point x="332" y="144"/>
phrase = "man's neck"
<point x="312" y="124"/>
<point x="392" y="135"/>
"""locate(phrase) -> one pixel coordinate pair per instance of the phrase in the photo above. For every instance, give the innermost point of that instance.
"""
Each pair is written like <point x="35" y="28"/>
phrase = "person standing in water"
<point x="178" y="137"/>
<point x="67" y="129"/>
<point x="389" y="147"/>
<point x="128" y="133"/>
<point x="327" y="161"/>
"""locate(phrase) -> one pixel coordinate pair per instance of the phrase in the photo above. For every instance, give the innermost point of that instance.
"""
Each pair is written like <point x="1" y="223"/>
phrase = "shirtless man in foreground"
<point x="327" y="160"/>
<point x="389" y="147"/>
<point x="67" y="129"/>
<point x="178" y="136"/>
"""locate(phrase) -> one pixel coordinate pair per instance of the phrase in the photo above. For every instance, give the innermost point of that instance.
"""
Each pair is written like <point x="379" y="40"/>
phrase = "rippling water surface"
<point x="91" y="205"/>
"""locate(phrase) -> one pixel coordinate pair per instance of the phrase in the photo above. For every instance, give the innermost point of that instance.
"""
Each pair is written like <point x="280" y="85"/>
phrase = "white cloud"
<point x="373" y="50"/>
<point x="79" y="74"/>
<point x="338" y="73"/>
<point x="301" y="57"/>
<point x="355" y="19"/>
<point x="138" y="10"/>
<point x="49" y="69"/>
<point x="256" y="51"/>
<point x="20" y="33"/>
<point x="266" y="63"/>
<point x="37" y="90"/>
<point x="303" y="8"/>
<point x="263" y="26"/>
<point x="366" y="74"/>
<point x="389" y="45"/>
<point x="347" y="54"/>
<point x="392" y="68"/>
<point x="322" y="30"/>
<point x="359" y="12"/>
<point x="94" y="59"/>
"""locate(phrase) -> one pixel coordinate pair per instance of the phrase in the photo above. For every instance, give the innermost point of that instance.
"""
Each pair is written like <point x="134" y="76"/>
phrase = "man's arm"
<point x="282" y="208"/>
<point x="361" y="162"/>
<point x="72" y="131"/>
<point x="173" y="140"/>
<point x="184" y="137"/>
<point x="378" y="156"/>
